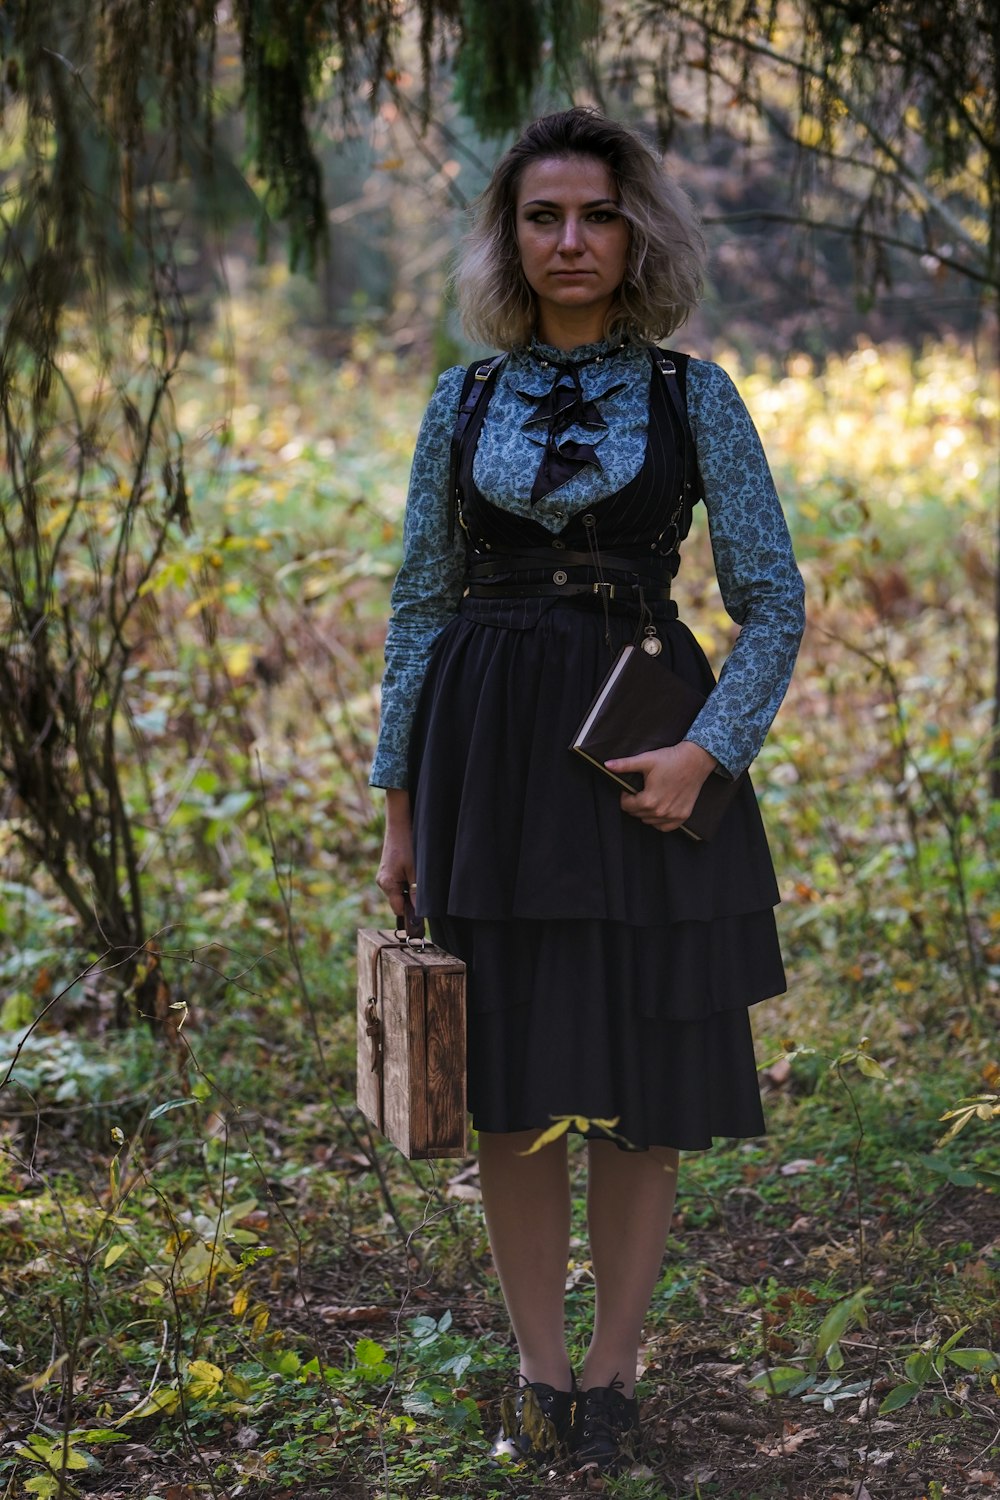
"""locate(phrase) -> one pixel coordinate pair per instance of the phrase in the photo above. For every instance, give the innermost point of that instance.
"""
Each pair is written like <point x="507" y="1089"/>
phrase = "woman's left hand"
<point x="673" y="777"/>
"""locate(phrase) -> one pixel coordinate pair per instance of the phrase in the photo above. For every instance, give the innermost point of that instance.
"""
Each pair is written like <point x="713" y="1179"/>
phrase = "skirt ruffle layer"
<point x="565" y="1018"/>
<point x="610" y="965"/>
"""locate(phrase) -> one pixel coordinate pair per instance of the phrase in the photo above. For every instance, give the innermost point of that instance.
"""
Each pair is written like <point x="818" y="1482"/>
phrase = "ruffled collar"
<point x="548" y="380"/>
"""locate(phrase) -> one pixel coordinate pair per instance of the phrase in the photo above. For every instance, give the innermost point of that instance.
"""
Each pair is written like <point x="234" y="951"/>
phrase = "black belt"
<point x="508" y="576"/>
<point x="554" y="589"/>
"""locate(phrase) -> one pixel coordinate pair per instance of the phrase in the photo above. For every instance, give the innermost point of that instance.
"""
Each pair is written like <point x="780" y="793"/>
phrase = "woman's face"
<point x="573" y="243"/>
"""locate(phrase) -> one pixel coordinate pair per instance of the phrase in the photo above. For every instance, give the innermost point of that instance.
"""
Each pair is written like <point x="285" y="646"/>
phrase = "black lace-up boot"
<point x="606" y="1428"/>
<point x="536" y="1421"/>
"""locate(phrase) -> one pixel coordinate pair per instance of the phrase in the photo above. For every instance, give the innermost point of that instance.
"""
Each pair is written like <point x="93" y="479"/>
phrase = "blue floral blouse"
<point x="760" y="584"/>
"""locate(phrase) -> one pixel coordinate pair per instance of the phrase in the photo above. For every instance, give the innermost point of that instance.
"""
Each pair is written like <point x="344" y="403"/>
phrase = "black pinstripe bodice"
<point x="646" y="520"/>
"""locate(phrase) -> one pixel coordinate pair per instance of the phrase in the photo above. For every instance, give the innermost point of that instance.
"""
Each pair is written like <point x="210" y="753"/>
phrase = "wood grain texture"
<point x="421" y="1001"/>
<point x="369" y="1083"/>
<point x="444" y="1046"/>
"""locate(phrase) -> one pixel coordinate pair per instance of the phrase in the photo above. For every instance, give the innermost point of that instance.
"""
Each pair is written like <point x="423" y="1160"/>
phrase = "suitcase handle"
<point x="410" y="935"/>
<point x="411" y="932"/>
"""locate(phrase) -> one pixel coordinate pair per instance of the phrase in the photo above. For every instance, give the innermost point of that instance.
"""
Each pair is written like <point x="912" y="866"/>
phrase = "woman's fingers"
<point x="672" y="779"/>
<point x="396" y="874"/>
<point x="393" y="887"/>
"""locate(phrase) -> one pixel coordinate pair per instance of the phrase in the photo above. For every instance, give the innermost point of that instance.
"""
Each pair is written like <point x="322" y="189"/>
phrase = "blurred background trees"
<point x="845" y="157"/>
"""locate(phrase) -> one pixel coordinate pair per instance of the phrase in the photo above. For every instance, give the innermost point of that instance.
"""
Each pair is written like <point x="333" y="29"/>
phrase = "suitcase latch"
<point x="373" y="1028"/>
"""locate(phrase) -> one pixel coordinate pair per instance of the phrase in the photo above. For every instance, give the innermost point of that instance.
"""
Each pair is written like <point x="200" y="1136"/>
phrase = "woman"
<point x="611" y="958"/>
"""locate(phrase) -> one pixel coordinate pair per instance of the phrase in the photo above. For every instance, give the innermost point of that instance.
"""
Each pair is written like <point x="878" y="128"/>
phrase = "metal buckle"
<point x="609" y="586"/>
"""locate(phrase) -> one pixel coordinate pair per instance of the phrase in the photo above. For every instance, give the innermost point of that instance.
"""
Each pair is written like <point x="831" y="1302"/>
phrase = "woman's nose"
<point x="570" y="239"/>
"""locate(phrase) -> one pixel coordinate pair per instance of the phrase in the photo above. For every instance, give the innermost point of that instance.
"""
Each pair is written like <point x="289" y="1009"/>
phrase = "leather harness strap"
<point x="477" y="379"/>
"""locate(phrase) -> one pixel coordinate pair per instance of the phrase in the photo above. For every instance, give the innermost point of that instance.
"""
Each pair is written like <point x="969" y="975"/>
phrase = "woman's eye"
<point x="541" y="216"/>
<point x="603" y="216"/>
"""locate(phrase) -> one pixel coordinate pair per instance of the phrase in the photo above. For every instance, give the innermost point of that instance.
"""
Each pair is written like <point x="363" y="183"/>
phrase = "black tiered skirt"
<point x="610" y="965"/>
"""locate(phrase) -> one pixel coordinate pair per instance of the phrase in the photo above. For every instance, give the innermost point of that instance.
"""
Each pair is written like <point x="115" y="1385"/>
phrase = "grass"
<point x="212" y="1279"/>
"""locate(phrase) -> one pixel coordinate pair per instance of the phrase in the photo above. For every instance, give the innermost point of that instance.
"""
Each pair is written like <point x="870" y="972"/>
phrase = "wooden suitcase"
<point x="411" y="1044"/>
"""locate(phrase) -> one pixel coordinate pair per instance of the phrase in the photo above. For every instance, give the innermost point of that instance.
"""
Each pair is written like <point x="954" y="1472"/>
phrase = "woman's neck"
<point x="567" y="332"/>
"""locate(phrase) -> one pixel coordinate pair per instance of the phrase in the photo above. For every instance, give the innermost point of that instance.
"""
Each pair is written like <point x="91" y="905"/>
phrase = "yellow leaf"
<point x="40" y="1450"/>
<point x="44" y="1378"/>
<point x="238" y="657"/>
<point x="241" y="1302"/>
<point x="546" y="1137"/>
<point x="164" y="1399"/>
<point x="261" y="1321"/>
<point x="115" y="1252"/>
<point x="203" y="1379"/>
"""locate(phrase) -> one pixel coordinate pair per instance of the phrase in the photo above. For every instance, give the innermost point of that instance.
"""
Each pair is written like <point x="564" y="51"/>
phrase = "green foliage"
<point x="927" y="1365"/>
<point x="826" y="1349"/>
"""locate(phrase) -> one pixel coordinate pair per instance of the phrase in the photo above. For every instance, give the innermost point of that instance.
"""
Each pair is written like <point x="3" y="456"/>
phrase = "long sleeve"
<point x="760" y="584"/>
<point x="428" y="586"/>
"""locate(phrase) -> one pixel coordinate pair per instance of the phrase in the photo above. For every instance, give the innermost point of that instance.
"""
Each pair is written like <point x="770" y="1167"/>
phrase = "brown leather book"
<point x="643" y="705"/>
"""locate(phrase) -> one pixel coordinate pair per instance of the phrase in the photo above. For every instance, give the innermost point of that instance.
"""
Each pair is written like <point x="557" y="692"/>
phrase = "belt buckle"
<point x="609" y="586"/>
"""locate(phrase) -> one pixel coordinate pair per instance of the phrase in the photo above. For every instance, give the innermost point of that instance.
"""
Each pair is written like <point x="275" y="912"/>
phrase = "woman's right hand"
<point x="397" y="872"/>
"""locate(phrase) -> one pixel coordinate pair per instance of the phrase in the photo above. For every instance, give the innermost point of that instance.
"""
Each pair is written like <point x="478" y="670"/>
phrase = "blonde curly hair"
<point x="663" y="279"/>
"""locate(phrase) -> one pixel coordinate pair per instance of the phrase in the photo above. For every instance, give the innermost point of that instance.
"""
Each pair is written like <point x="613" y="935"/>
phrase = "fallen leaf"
<point x="780" y="1447"/>
<point x="40" y="1266"/>
<point x="713" y="1371"/>
<point x="354" y="1314"/>
<point x="134" y="1453"/>
<point x="43" y="1379"/>
<point x="979" y="1272"/>
<point x="701" y="1475"/>
<point x="797" y="1167"/>
<point x="876" y="1457"/>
